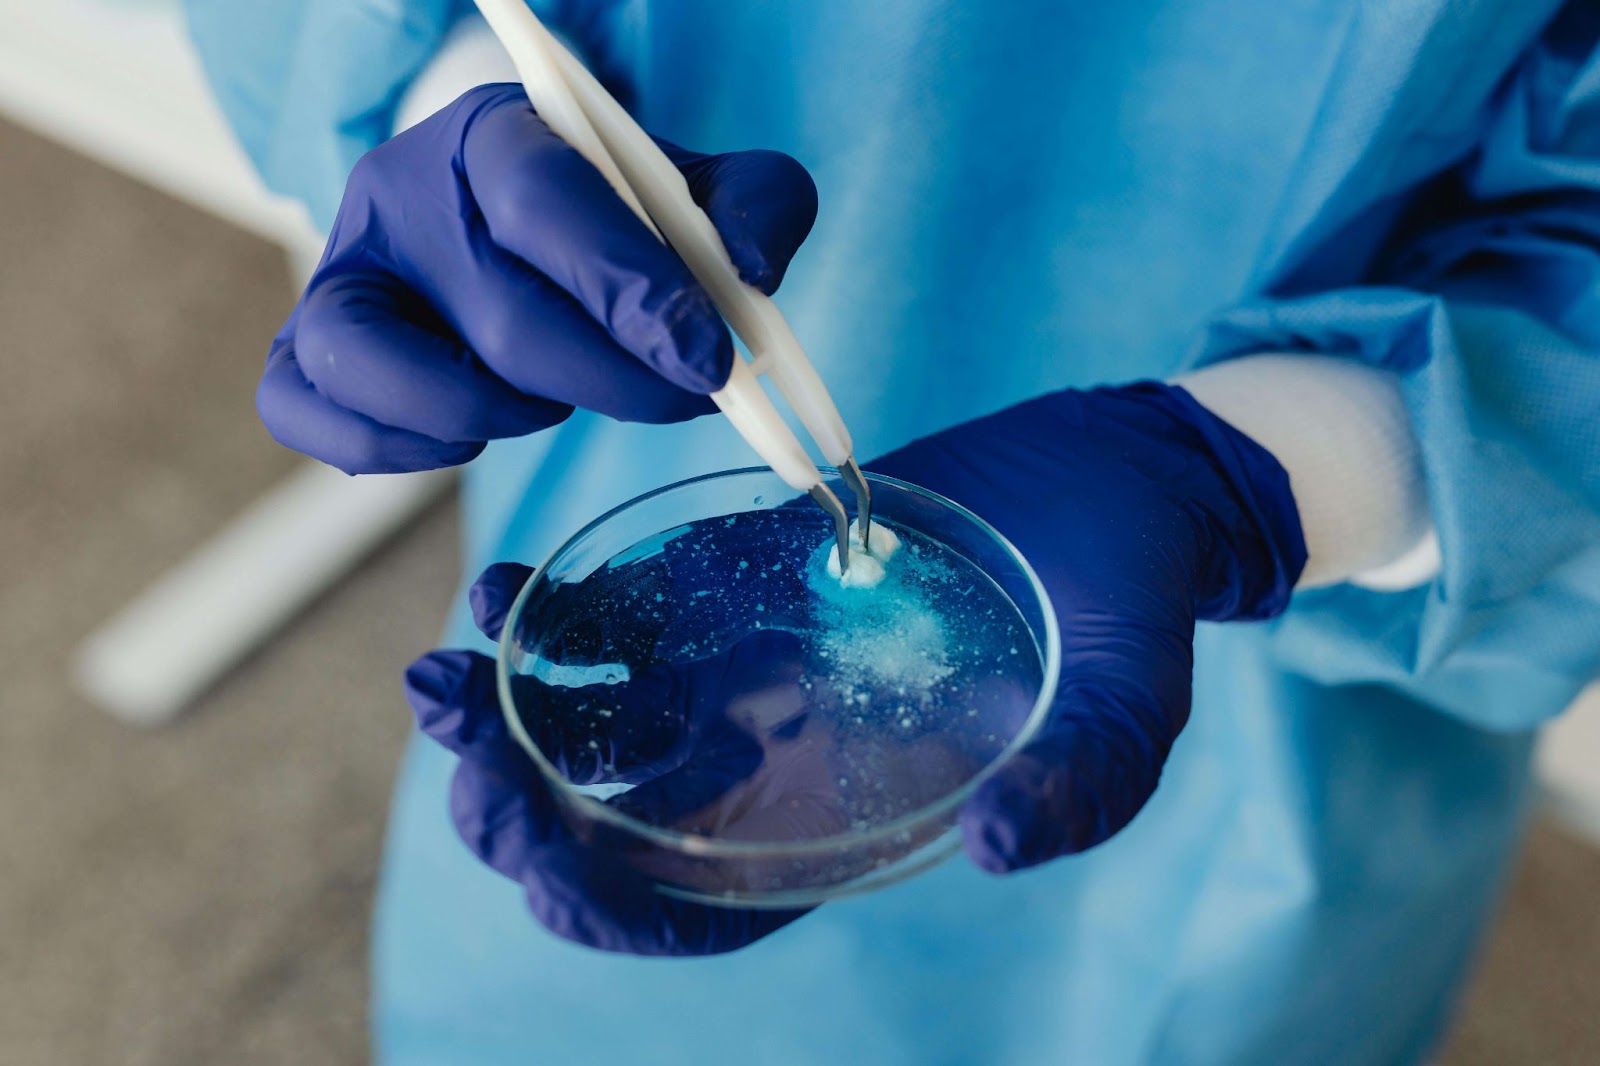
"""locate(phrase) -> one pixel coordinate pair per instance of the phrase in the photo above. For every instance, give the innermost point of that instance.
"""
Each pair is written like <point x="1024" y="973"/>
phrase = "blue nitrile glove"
<point x="1141" y="512"/>
<point x="667" y="734"/>
<point x="482" y="280"/>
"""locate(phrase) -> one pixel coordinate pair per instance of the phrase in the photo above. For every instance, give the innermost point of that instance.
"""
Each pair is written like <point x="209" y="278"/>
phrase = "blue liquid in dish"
<point x="714" y="679"/>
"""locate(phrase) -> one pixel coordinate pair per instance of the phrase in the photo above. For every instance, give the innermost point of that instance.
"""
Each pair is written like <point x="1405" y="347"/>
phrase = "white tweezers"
<point x="579" y="109"/>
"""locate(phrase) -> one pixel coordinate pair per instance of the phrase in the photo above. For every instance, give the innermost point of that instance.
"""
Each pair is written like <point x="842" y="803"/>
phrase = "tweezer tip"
<point x="857" y="481"/>
<point x="841" y="522"/>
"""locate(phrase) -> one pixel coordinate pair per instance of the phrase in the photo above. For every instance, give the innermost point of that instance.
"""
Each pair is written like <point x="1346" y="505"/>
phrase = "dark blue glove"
<point x="482" y="280"/>
<point x="1140" y="511"/>
<point x="667" y="733"/>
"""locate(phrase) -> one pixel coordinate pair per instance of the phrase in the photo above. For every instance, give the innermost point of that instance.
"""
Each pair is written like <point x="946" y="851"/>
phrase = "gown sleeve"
<point x="1485" y="297"/>
<point x="309" y="86"/>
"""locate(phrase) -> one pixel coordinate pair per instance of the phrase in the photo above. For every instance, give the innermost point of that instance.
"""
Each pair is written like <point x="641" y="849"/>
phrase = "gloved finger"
<point x="1094" y="765"/>
<point x="301" y="418"/>
<point x="506" y="814"/>
<point x="763" y="204"/>
<point x="360" y="342"/>
<point x="634" y="727"/>
<point x="625" y="732"/>
<point x="751" y="697"/>
<point x="584" y="893"/>
<point x="492" y="594"/>
<point x="683" y="798"/>
<point x="546" y="204"/>
<point x="582" y="897"/>
<point x="594" y="724"/>
<point x="453" y="696"/>
<point x="540" y="339"/>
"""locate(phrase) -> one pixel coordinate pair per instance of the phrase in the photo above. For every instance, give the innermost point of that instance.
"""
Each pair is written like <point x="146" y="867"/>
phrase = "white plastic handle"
<point x="524" y="37"/>
<point x="580" y="110"/>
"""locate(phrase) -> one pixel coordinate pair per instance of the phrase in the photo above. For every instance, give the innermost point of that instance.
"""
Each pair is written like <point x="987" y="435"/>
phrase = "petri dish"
<point x="718" y="715"/>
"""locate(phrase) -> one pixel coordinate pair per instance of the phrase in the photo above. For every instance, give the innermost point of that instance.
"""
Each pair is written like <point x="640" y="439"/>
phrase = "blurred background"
<point x="201" y="636"/>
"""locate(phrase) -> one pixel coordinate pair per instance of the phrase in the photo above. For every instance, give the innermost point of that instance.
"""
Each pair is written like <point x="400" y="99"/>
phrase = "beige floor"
<point x="200" y="895"/>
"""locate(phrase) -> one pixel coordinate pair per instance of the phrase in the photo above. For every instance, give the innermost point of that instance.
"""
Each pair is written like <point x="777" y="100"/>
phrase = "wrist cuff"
<point x="1341" y="431"/>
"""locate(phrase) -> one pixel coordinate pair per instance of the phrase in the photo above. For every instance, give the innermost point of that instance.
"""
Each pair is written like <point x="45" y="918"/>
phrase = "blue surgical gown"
<point x="1033" y="194"/>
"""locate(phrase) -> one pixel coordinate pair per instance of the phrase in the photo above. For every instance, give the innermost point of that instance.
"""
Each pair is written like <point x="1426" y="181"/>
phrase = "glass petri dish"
<point x="715" y="713"/>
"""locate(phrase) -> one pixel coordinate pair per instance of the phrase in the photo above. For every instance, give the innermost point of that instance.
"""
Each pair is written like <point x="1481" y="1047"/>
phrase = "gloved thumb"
<point x="763" y="203"/>
<point x="492" y="595"/>
<point x="1086" y="776"/>
<point x="501" y="808"/>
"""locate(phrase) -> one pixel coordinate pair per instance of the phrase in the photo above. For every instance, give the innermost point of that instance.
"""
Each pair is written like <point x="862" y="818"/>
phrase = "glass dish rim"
<point x="708" y="847"/>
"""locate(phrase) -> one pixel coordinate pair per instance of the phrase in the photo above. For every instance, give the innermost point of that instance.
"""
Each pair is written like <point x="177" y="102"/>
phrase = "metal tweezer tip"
<point x="841" y="521"/>
<point x="857" y="483"/>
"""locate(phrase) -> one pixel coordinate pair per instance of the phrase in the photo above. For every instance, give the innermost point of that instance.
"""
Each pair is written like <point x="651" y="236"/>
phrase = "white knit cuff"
<point x="1341" y="431"/>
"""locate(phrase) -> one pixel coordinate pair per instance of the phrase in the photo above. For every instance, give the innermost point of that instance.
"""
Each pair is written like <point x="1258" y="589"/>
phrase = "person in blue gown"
<point x="1015" y="199"/>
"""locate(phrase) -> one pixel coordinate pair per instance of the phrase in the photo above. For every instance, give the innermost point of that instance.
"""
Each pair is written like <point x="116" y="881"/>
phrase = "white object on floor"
<point x="155" y="655"/>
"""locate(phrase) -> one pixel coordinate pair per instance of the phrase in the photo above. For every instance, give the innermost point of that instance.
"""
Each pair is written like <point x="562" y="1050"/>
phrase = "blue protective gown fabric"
<point x="1019" y="197"/>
